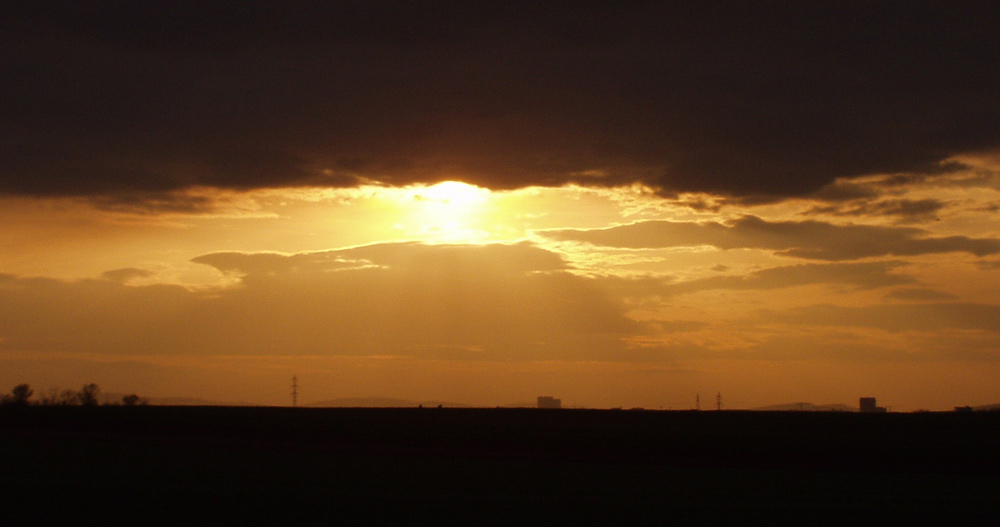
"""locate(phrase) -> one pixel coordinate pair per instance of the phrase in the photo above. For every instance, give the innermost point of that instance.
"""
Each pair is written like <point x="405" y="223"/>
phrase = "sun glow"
<point x="453" y="194"/>
<point x="450" y="211"/>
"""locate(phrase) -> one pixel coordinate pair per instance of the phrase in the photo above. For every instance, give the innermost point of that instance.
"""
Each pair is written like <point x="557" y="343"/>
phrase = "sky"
<point x="628" y="204"/>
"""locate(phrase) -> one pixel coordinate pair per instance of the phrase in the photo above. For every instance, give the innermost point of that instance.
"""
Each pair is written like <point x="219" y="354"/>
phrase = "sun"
<point x="448" y="212"/>
<point x="454" y="194"/>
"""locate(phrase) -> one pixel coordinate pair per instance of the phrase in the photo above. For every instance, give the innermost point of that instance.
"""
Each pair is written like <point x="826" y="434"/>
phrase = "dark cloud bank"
<point x="744" y="99"/>
<point x="814" y="240"/>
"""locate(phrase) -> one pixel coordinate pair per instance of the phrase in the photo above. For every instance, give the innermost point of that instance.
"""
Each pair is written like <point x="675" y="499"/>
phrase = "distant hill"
<point x="532" y="404"/>
<point x="807" y="407"/>
<point x="381" y="402"/>
<point x="188" y="401"/>
<point x="987" y="408"/>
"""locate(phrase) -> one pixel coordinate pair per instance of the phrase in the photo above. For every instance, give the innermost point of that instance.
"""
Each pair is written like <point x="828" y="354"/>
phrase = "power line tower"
<point x="718" y="401"/>
<point x="295" y="391"/>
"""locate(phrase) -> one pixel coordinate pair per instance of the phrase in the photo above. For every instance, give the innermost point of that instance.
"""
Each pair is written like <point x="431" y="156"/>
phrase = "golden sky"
<point x="604" y="297"/>
<point x="617" y="205"/>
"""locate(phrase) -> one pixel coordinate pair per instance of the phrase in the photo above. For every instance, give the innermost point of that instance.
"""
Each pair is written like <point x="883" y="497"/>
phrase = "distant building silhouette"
<point x="545" y="401"/>
<point x="868" y="405"/>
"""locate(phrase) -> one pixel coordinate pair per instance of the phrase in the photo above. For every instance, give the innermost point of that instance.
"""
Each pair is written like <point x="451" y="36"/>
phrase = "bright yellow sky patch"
<point x="646" y="325"/>
<point x="451" y="212"/>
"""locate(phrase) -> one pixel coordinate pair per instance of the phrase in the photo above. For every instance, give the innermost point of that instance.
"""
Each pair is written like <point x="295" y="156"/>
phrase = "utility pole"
<point x="718" y="401"/>
<point x="295" y="391"/>
<point x="697" y="401"/>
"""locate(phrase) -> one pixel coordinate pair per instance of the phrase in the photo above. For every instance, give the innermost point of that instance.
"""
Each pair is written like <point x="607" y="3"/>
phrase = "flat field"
<point x="304" y="466"/>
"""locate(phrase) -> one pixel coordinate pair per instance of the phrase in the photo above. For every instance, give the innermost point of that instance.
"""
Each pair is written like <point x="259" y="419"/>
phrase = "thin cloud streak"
<point x="814" y="240"/>
<point x="861" y="276"/>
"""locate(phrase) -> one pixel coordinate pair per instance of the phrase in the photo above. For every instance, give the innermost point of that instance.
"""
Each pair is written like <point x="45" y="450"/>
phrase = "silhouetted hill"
<point x="381" y="402"/>
<point x="532" y="404"/>
<point x="188" y="401"/>
<point x="807" y="407"/>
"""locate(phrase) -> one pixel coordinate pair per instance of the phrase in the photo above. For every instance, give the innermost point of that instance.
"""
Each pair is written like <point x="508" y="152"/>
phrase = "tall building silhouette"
<point x="545" y="401"/>
<point x="868" y="405"/>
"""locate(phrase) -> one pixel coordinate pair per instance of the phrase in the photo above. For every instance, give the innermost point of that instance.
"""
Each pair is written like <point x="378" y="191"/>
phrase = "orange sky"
<point x="606" y="298"/>
<point x="618" y="204"/>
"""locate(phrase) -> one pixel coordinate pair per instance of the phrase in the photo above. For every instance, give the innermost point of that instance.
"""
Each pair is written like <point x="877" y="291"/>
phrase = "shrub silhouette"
<point x="69" y="398"/>
<point x="88" y="394"/>
<point x="20" y="394"/>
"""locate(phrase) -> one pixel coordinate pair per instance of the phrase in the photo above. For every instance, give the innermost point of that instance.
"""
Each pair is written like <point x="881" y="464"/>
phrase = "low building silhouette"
<point x="545" y="401"/>
<point x="868" y="405"/>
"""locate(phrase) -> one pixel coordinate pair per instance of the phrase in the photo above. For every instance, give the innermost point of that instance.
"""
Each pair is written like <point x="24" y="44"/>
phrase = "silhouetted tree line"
<point x="85" y="396"/>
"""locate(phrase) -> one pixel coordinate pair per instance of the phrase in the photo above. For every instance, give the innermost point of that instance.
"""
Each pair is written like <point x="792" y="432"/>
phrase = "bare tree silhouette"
<point x="21" y="394"/>
<point x="69" y="398"/>
<point x="88" y="394"/>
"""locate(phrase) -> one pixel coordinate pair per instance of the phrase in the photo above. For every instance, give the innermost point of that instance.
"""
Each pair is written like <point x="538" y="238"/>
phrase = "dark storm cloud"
<point x="814" y="240"/>
<point x="744" y="99"/>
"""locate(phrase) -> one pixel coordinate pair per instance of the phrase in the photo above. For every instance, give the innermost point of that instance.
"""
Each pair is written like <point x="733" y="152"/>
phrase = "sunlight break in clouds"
<point x="618" y="204"/>
<point x="607" y="297"/>
<point x="520" y="291"/>
<point x="450" y="211"/>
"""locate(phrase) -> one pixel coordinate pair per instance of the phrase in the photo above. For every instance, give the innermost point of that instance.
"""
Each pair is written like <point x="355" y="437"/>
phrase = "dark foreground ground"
<point x="299" y="466"/>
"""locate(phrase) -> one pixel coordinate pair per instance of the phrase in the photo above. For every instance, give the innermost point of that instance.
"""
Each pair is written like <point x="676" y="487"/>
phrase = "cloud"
<point x="266" y="263"/>
<point x="497" y="302"/>
<point x="153" y="202"/>
<point x="969" y="171"/>
<point x="813" y="240"/>
<point x="827" y="345"/>
<point x="988" y="265"/>
<point x="920" y="294"/>
<point x="724" y="97"/>
<point x="929" y="317"/>
<point x="519" y="258"/>
<point x="904" y="210"/>
<point x="126" y="274"/>
<point x="865" y="275"/>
